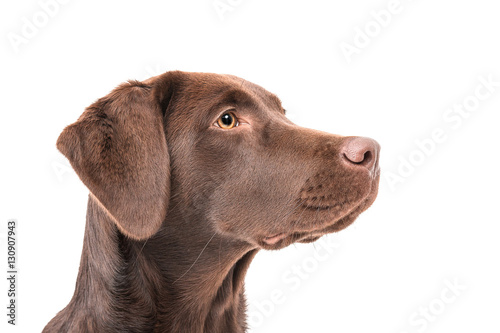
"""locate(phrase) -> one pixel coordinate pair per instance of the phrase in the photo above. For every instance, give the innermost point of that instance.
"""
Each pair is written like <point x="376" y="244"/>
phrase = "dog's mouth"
<point x="282" y="240"/>
<point x="321" y="219"/>
<point x="297" y="236"/>
<point x="272" y="240"/>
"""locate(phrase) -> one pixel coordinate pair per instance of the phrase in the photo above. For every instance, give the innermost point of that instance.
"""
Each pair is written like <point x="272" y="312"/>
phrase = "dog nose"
<point x="361" y="151"/>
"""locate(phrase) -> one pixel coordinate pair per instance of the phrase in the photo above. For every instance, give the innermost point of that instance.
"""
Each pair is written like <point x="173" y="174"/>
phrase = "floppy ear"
<point x="118" y="149"/>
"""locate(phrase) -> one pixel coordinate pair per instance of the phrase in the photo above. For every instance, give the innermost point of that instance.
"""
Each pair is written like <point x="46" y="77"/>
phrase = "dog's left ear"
<point x="118" y="149"/>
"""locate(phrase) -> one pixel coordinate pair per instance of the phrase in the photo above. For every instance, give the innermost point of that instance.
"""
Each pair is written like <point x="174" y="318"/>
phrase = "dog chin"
<point x="282" y="240"/>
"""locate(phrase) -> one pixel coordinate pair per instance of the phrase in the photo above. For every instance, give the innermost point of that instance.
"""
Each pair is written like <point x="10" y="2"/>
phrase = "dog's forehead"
<point x="229" y="88"/>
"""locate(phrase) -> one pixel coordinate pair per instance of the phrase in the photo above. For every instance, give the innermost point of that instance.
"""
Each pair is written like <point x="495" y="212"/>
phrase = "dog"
<point x="190" y="175"/>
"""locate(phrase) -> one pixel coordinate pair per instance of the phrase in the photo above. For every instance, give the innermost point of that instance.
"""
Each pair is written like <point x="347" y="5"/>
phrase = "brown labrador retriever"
<point x="190" y="175"/>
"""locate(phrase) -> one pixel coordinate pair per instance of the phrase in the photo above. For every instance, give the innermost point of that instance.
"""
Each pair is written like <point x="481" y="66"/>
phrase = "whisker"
<point x="220" y="246"/>
<point x="303" y="210"/>
<point x="292" y="210"/>
<point x="172" y="208"/>
<point x="300" y="216"/>
<point x="180" y="277"/>
<point x="317" y="210"/>
<point x="140" y="251"/>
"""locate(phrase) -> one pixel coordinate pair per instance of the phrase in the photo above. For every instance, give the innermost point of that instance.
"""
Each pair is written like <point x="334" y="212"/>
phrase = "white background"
<point x="438" y="223"/>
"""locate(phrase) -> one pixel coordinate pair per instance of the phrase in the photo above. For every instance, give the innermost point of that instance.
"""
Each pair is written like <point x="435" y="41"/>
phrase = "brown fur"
<point x="178" y="207"/>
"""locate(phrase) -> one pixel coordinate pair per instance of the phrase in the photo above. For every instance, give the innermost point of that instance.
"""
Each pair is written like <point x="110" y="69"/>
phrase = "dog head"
<point x="221" y="150"/>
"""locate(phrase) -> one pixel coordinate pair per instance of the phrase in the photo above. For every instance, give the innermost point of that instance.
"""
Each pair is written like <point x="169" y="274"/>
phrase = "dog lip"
<point x="324" y="207"/>
<point x="271" y="240"/>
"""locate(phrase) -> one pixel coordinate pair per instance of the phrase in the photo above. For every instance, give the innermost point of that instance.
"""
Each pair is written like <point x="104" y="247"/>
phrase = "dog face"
<point x="257" y="177"/>
<point x="221" y="150"/>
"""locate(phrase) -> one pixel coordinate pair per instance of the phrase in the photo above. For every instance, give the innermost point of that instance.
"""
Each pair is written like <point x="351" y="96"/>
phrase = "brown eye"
<point x="227" y="121"/>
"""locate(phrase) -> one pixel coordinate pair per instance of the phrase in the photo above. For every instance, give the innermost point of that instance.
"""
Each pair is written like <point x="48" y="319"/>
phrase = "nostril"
<point x="367" y="158"/>
<point x="361" y="160"/>
<point x="361" y="151"/>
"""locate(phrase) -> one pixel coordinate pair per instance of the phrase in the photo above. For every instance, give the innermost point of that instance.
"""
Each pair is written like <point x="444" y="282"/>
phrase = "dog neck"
<point x="195" y="284"/>
<point x="201" y="284"/>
